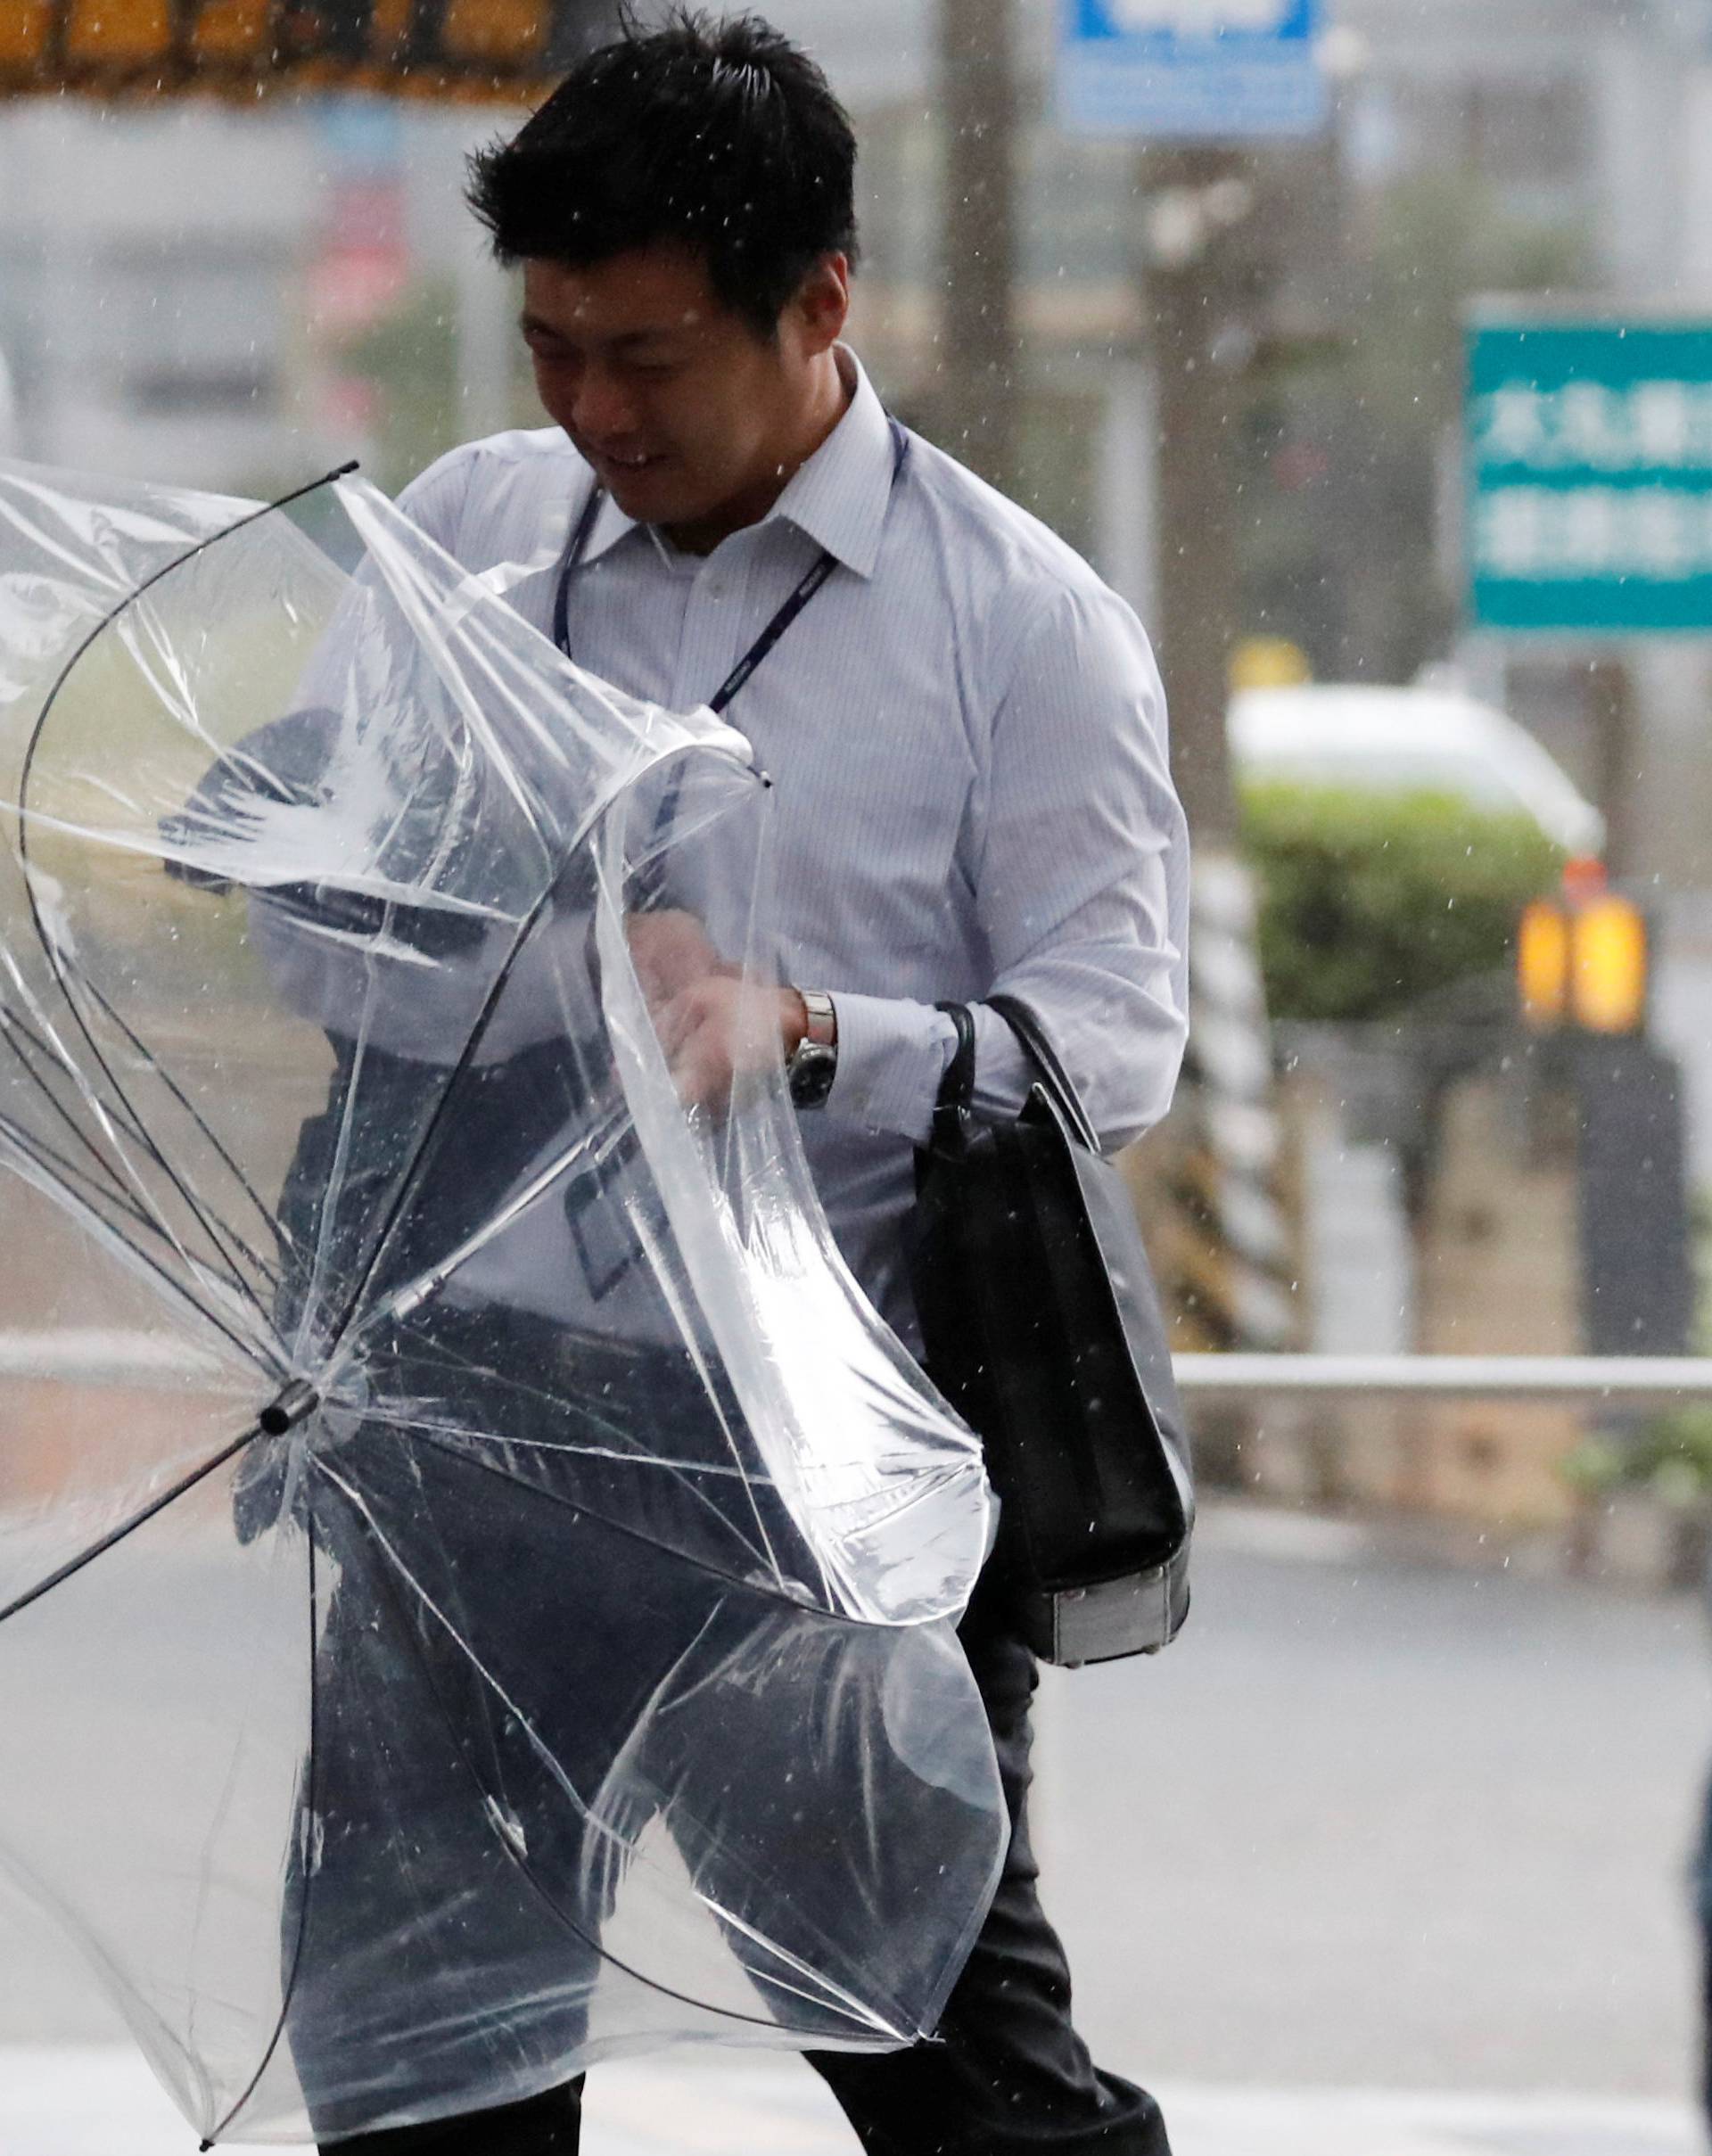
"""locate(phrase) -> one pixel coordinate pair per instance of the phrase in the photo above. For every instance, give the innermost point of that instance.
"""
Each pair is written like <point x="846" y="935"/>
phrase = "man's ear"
<point x="822" y="304"/>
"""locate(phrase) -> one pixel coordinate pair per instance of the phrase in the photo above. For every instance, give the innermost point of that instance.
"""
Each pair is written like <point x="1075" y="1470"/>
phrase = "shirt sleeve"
<point x="1081" y="891"/>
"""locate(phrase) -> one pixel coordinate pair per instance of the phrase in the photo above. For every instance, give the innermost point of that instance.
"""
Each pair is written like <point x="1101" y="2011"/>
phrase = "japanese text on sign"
<point x="1649" y="424"/>
<point x="1589" y="477"/>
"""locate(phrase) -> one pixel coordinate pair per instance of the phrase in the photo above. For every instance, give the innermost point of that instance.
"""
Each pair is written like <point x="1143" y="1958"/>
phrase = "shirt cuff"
<point x="892" y="1055"/>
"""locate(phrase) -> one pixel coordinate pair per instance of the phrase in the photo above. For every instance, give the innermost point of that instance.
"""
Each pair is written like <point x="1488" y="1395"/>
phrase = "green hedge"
<point x="1370" y="902"/>
<point x="1669" y="1457"/>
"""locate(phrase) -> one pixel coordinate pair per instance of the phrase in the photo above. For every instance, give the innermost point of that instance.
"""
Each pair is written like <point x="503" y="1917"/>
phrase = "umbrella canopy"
<point x="513" y="1625"/>
<point x="468" y="49"/>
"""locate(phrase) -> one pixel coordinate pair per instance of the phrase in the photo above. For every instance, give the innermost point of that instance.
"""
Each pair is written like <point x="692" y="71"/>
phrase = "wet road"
<point x="1367" y="1824"/>
<point x="1372" y="1823"/>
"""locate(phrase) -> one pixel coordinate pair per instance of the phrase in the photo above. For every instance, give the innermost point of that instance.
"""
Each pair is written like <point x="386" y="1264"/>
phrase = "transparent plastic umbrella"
<point x="476" y="1577"/>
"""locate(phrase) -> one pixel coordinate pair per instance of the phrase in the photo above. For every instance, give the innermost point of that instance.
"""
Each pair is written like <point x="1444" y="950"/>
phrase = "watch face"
<point x="813" y="1071"/>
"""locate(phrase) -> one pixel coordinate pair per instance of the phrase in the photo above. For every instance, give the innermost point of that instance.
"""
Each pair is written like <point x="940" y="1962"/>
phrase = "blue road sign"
<point x="1198" y="70"/>
<point x="1589" y="458"/>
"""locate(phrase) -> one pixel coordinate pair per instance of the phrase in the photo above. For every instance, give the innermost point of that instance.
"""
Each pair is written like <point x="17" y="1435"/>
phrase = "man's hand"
<point x="670" y="952"/>
<point x="716" y="1027"/>
<point x="722" y="1031"/>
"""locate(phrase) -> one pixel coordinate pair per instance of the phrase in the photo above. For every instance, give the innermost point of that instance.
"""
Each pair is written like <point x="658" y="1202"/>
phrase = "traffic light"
<point x="1542" y="964"/>
<point x="1582" y="958"/>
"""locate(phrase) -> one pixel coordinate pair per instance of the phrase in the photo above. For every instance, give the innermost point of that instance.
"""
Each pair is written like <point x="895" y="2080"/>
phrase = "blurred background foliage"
<point x="1669" y="1457"/>
<point x="1368" y="903"/>
<point x="408" y="360"/>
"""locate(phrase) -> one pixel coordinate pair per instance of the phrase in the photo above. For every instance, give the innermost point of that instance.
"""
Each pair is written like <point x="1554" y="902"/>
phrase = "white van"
<point x="1409" y="741"/>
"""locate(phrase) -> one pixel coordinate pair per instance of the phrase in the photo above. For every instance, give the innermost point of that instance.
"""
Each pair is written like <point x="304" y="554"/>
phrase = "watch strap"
<point x="823" y="1018"/>
<point x="813" y="1063"/>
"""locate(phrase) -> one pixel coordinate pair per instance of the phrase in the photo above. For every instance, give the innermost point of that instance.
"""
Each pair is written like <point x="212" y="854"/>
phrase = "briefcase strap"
<point x="957" y="1088"/>
<point x="1039" y="1050"/>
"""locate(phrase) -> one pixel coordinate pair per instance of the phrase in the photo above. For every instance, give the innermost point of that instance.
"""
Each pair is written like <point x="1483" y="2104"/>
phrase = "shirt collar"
<point x="611" y="525"/>
<point x="838" y="499"/>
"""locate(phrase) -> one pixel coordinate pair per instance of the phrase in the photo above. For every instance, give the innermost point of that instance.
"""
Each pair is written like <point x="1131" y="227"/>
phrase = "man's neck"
<point x="828" y="399"/>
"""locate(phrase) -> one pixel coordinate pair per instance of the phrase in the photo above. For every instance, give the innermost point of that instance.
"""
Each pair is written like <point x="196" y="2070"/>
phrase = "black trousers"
<point x="1007" y="2074"/>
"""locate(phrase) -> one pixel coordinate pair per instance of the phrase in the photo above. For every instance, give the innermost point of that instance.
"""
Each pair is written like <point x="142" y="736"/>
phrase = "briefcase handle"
<point x="957" y="1089"/>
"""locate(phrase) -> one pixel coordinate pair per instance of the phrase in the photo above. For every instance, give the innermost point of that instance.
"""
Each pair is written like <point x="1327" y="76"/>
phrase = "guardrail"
<point x="1578" y="1379"/>
<point x="122" y="1357"/>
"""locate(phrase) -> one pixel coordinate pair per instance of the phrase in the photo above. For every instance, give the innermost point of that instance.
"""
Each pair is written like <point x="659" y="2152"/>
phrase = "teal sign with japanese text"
<point x="1589" y="449"/>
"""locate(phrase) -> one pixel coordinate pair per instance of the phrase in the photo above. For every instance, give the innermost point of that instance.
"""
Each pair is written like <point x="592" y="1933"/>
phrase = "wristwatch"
<point x="814" y="1060"/>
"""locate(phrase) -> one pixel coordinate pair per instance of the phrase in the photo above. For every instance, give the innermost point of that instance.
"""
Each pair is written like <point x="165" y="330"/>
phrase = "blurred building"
<point x="178" y="282"/>
<point x="148" y="264"/>
<point x="1579" y="113"/>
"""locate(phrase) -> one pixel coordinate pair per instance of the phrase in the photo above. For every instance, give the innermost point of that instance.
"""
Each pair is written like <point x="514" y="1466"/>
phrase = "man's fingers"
<point x="701" y="1069"/>
<point x="676" y="1019"/>
<point x="670" y="952"/>
<point x="716" y="1031"/>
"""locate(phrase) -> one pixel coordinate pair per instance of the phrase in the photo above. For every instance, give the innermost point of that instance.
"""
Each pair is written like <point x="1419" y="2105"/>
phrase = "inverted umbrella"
<point x="512" y="1623"/>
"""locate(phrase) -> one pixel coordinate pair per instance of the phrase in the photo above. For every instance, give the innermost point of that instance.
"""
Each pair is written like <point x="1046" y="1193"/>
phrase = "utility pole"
<point x="978" y="401"/>
<point x="1196" y="309"/>
<point x="1200" y="290"/>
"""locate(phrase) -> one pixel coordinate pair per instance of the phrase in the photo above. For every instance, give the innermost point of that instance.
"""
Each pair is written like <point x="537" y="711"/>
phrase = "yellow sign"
<point x="1269" y="662"/>
<point x="473" y="49"/>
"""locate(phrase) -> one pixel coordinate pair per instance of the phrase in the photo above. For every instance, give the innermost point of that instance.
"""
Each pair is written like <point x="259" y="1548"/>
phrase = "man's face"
<point x="678" y="402"/>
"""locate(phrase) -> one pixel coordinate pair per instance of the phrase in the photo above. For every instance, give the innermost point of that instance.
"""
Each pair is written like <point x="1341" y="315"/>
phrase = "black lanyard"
<point x="762" y="647"/>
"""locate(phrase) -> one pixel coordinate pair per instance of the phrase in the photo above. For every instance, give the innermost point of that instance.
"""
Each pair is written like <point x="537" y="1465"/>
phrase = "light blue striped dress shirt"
<point x="966" y="736"/>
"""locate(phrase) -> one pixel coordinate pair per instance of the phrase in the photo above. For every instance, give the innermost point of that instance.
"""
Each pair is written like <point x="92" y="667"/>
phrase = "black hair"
<point x="718" y="134"/>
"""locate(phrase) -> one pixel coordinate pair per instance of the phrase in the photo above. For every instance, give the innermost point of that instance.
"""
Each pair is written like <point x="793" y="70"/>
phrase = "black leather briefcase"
<point x="1042" y="1327"/>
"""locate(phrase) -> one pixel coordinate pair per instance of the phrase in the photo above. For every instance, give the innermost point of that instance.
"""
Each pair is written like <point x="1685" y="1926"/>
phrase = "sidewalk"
<point x="75" y="2102"/>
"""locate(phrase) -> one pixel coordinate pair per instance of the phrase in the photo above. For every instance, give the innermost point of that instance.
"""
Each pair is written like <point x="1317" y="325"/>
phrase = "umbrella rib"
<point x="204" y="1218"/>
<point x="635" y="1535"/>
<point x="11" y="1024"/>
<point x="310" y="1785"/>
<point x="204" y="1125"/>
<point x="26" y="770"/>
<point x="115" y="1189"/>
<point x="129" y="1191"/>
<point x="431" y="1137"/>
<point x="457" y="1442"/>
<point x="405" y="1417"/>
<point x="604" y="1142"/>
<point x="687" y="1469"/>
<point x="73" y="1566"/>
<point x="413" y="1173"/>
<point x="92" y="1188"/>
<point x="246" y="1348"/>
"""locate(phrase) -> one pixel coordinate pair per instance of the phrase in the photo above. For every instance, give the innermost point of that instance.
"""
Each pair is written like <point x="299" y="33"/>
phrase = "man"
<point x="965" y="735"/>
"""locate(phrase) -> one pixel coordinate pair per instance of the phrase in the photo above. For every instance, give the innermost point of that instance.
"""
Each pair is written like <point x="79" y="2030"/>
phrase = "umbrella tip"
<point x="298" y="1401"/>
